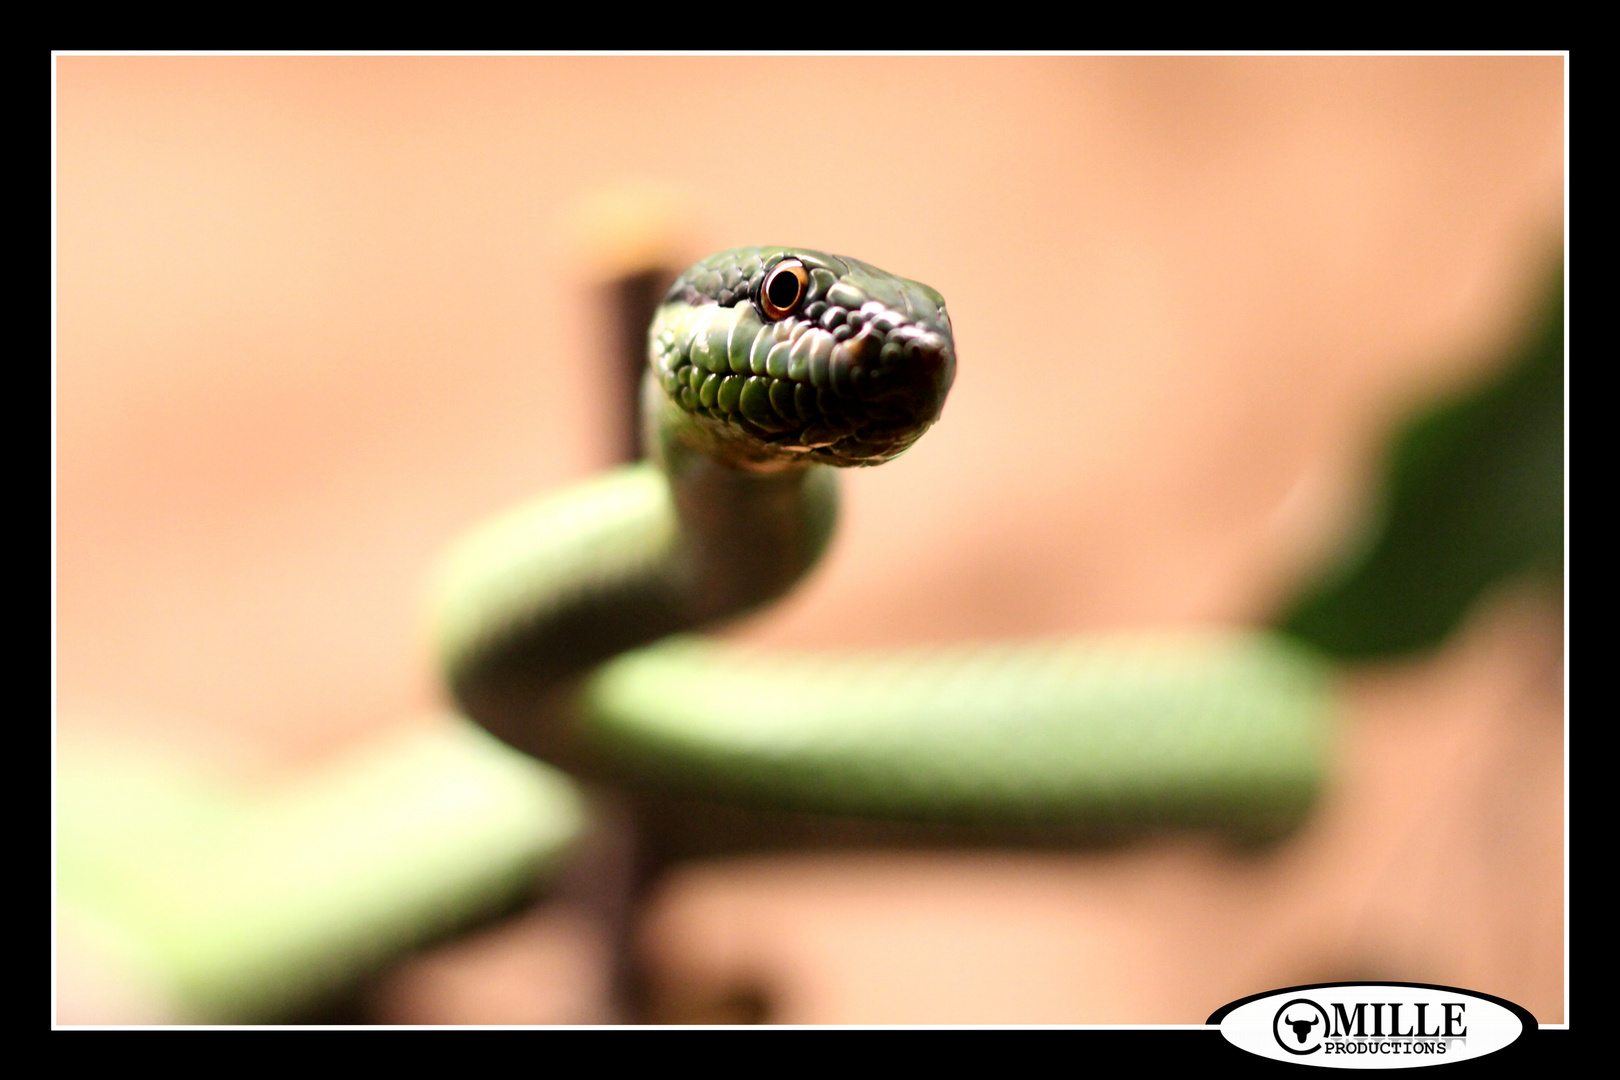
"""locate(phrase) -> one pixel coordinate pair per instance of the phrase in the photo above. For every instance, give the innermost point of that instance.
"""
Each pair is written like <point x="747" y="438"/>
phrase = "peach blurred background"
<point x="317" y="315"/>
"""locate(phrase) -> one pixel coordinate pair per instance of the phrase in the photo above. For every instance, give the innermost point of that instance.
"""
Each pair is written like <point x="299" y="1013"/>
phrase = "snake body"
<point x="768" y="368"/>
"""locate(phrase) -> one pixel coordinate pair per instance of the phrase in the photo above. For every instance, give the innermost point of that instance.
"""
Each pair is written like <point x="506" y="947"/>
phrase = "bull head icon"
<point x="1302" y="1028"/>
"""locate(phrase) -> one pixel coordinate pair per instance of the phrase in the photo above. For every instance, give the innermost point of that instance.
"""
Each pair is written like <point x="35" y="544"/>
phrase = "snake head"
<point x="771" y="355"/>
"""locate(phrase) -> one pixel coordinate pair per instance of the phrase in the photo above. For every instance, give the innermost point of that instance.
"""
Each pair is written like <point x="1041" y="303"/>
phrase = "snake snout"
<point x="889" y="388"/>
<point x="932" y="363"/>
<point x="914" y="368"/>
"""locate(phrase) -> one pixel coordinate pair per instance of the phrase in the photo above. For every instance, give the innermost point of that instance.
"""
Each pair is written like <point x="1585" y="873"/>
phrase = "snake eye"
<point x="784" y="287"/>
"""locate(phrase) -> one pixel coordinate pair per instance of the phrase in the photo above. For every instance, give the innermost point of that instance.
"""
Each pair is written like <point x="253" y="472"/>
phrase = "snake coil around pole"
<point x="561" y="625"/>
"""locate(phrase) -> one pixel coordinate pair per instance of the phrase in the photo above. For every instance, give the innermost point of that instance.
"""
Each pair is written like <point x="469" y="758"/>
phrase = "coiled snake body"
<point x="767" y="368"/>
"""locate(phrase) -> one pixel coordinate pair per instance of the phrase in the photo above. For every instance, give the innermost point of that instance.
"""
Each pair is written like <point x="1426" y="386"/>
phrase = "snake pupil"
<point x="784" y="290"/>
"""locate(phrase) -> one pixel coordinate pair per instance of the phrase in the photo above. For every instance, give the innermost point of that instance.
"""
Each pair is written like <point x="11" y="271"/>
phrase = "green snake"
<point x="232" y="902"/>
<point x="562" y="624"/>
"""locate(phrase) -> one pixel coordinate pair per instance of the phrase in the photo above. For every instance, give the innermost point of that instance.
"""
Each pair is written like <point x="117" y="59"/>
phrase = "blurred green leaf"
<point x="1472" y="494"/>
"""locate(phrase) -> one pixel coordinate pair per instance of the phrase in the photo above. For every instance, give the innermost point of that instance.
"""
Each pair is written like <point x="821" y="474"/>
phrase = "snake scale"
<point x="562" y="625"/>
